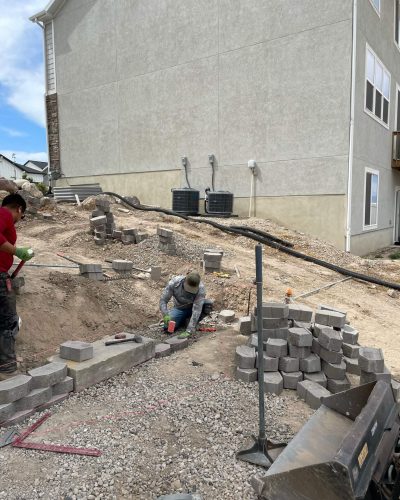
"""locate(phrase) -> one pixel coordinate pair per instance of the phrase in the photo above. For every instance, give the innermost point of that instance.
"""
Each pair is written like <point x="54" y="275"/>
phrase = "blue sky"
<point x="22" y="118"/>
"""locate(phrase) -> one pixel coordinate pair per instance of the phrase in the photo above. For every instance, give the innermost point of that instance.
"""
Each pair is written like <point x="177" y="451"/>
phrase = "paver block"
<point x="246" y="374"/>
<point x="53" y="401"/>
<point x="253" y="341"/>
<point x="330" y="339"/>
<point x="352" y="366"/>
<point x="282" y="333"/>
<point x="275" y="323"/>
<point x="63" y="387"/>
<point x="227" y="316"/>
<point x="245" y="325"/>
<point x="300" y="337"/>
<point x="299" y="312"/>
<point x="336" y="386"/>
<point x="350" y="335"/>
<point x="316" y="347"/>
<point x="268" y="333"/>
<point x="302" y="388"/>
<point x="288" y="365"/>
<point x="277" y="348"/>
<point x="310" y="364"/>
<point x="94" y="276"/>
<point x="102" y="204"/>
<point x="302" y="324"/>
<point x="18" y="417"/>
<point x="127" y="239"/>
<point x="291" y="379"/>
<point x="351" y="350"/>
<point x="323" y="307"/>
<point x="14" y="388"/>
<point x="122" y="265"/>
<point x="318" y="378"/>
<point x="212" y="257"/>
<point x="6" y="411"/>
<point x="336" y="371"/>
<point x="317" y="329"/>
<point x="96" y="213"/>
<point x="330" y="356"/>
<point x="176" y="343"/>
<point x="366" y="377"/>
<point x="48" y="375"/>
<point x="274" y="310"/>
<point x="34" y="399"/>
<point x="76" y="350"/>
<point x="162" y="231"/>
<point x="253" y="322"/>
<point x="132" y="231"/>
<point x="116" y="234"/>
<point x="269" y="364"/>
<point x="314" y="394"/>
<point x="108" y="361"/>
<point x="299" y="352"/>
<point x="273" y="382"/>
<point x="330" y="318"/>
<point x="245" y="356"/>
<point x="371" y="359"/>
<point x="396" y="390"/>
<point x="90" y="268"/>
<point x="98" y="221"/>
<point x="162" y="350"/>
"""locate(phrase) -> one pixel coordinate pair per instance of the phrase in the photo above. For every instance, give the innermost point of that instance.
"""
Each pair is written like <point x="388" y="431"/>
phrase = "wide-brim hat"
<point x="192" y="282"/>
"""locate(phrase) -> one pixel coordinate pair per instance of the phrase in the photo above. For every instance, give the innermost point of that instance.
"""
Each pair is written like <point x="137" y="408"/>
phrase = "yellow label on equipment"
<point x="363" y="455"/>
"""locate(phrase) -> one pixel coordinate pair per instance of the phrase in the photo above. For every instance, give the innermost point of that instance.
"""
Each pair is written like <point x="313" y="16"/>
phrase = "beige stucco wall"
<point x="369" y="241"/>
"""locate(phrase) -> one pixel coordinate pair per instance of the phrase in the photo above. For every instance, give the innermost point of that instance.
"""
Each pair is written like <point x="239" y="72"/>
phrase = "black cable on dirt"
<point x="265" y="235"/>
<point x="251" y="233"/>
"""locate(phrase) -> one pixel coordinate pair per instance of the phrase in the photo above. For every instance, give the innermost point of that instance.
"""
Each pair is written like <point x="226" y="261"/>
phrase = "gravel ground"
<point x="159" y="431"/>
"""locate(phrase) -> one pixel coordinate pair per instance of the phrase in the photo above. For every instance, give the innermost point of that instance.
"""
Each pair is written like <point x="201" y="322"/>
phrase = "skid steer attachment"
<point x="347" y="450"/>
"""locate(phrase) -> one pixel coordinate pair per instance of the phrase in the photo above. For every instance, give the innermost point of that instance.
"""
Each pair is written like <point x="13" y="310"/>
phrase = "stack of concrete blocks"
<point x="212" y="260"/>
<point x="102" y="221"/>
<point x="91" y="271"/>
<point x="166" y="241"/>
<point x="23" y="395"/>
<point x="130" y="236"/>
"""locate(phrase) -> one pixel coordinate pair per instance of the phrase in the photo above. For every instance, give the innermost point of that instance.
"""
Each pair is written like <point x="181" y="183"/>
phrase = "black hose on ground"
<point x="264" y="234"/>
<point x="250" y="233"/>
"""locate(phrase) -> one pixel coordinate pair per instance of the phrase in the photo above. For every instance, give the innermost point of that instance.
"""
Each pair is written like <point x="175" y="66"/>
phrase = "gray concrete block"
<point x="253" y="341"/>
<point x="162" y="350"/>
<point x="98" y="221"/>
<point x="330" y="339"/>
<point x="14" y="388"/>
<point x="371" y="359"/>
<point x="245" y="325"/>
<point x="300" y="312"/>
<point x="127" y="239"/>
<point x="330" y="356"/>
<point x="300" y="337"/>
<point x="97" y="213"/>
<point x="63" y="387"/>
<point x="141" y="236"/>
<point x="350" y="335"/>
<point x="90" y="268"/>
<point x="212" y="257"/>
<point x="277" y="348"/>
<point x="132" y="231"/>
<point x="76" y="350"/>
<point x="310" y="364"/>
<point x="122" y="265"/>
<point x="330" y="318"/>
<point x="94" y="276"/>
<point x="176" y="343"/>
<point x="302" y="324"/>
<point x="214" y="250"/>
<point x="117" y="234"/>
<point x="270" y="364"/>
<point x="352" y="366"/>
<point x="324" y="307"/>
<point x="274" y="310"/>
<point x="102" y="204"/>
<point x="245" y="357"/>
<point x="350" y="350"/>
<point x="288" y="365"/>
<point x="212" y="266"/>
<point x="318" y="378"/>
<point x="227" y="316"/>
<point x="317" y="329"/>
<point x="275" y="323"/>
<point x="396" y="390"/>
<point x="269" y="333"/>
<point x="109" y="361"/>
<point x="253" y="322"/>
<point x="18" y="417"/>
<point x="335" y="386"/>
<point x="366" y="377"/>
<point x="291" y="379"/>
<point x="246" y="375"/>
<point x="6" y="411"/>
<point x="314" y="394"/>
<point x="316" y="347"/>
<point x="336" y="371"/>
<point x="34" y="399"/>
<point x="48" y="375"/>
<point x="167" y="233"/>
<point x="99" y="241"/>
<point x="302" y="388"/>
<point x="282" y="333"/>
<point x="299" y="352"/>
<point x="273" y="383"/>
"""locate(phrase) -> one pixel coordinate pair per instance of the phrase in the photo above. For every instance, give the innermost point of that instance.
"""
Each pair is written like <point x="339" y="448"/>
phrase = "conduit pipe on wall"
<point x="252" y="166"/>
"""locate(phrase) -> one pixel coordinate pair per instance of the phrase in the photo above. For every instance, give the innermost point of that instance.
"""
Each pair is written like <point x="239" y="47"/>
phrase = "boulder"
<point x="7" y="185"/>
<point x="32" y="189"/>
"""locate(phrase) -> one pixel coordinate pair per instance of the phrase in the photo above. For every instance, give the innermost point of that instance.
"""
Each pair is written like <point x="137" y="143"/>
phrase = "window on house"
<point x="377" y="91"/>
<point x="371" y="198"/>
<point x="377" y="5"/>
<point x="397" y="21"/>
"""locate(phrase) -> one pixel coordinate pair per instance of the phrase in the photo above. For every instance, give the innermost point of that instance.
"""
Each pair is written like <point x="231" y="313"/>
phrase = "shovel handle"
<point x="18" y="269"/>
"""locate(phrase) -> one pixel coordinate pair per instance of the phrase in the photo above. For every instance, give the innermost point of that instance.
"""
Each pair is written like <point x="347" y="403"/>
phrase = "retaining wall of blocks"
<point x="166" y="241"/>
<point x="312" y="353"/>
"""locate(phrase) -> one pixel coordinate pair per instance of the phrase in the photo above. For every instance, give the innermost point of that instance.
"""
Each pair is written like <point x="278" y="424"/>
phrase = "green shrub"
<point x="43" y="188"/>
<point x="395" y="255"/>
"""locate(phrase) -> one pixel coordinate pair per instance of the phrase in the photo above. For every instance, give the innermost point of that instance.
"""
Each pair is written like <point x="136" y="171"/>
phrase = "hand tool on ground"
<point x="20" y="442"/>
<point x="137" y="338"/>
<point x="221" y="275"/>
<point x="259" y="454"/>
<point x="120" y="336"/>
<point x="63" y="256"/>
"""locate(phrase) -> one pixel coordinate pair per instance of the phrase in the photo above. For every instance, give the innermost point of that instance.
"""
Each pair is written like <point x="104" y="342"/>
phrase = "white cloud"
<point x="23" y="156"/>
<point x="12" y="132"/>
<point x="21" y="60"/>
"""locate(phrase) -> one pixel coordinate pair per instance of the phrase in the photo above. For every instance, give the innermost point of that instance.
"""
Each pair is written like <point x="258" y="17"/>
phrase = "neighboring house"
<point x="9" y="169"/>
<point x="38" y="170"/>
<point x="309" y="89"/>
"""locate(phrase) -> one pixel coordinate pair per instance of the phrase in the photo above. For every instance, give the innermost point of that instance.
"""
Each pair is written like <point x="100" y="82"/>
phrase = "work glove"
<point x="184" y="335"/>
<point x="166" y="319"/>
<point x="24" y="253"/>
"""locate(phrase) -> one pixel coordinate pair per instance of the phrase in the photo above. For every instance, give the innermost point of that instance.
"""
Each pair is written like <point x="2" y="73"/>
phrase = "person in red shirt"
<point x="12" y="210"/>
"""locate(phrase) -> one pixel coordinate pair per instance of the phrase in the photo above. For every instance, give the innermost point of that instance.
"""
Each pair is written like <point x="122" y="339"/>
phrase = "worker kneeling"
<point x="188" y="293"/>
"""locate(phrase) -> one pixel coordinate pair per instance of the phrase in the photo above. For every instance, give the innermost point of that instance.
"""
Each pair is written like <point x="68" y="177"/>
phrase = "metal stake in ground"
<point x="258" y="453"/>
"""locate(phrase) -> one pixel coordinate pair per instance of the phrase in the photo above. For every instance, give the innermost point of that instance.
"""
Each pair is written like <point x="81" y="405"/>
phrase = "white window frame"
<point x="371" y="113"/>
<point x="396" y="21"/>
<point x="377" y="10"/>
<point x="375" y="172"/>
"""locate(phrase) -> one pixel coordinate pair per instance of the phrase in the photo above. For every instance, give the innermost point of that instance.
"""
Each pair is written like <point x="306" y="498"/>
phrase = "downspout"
<point x="351" y="129"/>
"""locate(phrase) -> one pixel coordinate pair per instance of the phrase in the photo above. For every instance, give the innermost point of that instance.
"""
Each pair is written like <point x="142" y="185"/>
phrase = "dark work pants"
<point x="8" y="326"/>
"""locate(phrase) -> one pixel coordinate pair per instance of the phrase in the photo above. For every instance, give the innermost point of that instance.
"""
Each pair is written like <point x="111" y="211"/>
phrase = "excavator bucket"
<point x="342" y="452"/>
